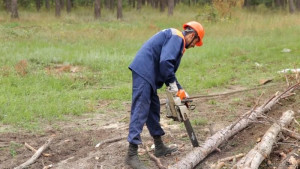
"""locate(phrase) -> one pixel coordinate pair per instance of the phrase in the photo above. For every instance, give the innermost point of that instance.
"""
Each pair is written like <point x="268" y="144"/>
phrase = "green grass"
<point x="104" y="48"/>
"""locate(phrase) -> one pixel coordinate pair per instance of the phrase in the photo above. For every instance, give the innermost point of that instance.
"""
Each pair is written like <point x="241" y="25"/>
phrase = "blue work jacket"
<point x="158" y="59"/>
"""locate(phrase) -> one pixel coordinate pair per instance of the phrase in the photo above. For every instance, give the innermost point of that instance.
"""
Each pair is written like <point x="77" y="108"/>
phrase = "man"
<point x="155" y="64"/>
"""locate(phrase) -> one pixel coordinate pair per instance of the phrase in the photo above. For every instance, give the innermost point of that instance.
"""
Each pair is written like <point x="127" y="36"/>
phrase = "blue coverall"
<point x="154" y="64"/>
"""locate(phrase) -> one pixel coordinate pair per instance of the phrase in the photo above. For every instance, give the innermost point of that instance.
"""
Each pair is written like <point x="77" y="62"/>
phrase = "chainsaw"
<point x="178" y="108"/>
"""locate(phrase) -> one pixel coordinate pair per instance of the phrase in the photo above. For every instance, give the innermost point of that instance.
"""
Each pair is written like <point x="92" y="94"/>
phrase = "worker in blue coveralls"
<point x="155" y="64"/>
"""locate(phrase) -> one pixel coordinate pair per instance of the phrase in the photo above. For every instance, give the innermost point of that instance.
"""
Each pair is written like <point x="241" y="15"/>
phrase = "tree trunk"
<point x="38" y="5"/>
<point x="139" y="5"/>
<point x="246" y="4"/>
<point x="69" y="6"/>
<point x="106" y="2"/>
<point x="199" y="153"/>
<point x="170" y="7"/>
<point x="283" y="4"/>
<point x="62" y="4"/>
<point x="152" y="3"/>
<point x="47" y="5"/>
<point x="57" y="8"/>
<point x="292" y="7"/>
<point x="7" y="5"/>
<point x="298" y="5"/>
<point x="97" y="9"/>
<point x="162" y="5"/>
<point x="119" y="11"/>
<point x="112" y="4"/>
<point x="156" y="2"/>
<point x="277" y="3"/>
<point x="14" y="9"/>
<point x="263" y="149"/>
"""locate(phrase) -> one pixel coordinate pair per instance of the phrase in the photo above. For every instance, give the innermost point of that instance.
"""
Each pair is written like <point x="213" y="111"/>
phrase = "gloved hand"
<point x="182" y="94"/>
<point x="173" y="87"/>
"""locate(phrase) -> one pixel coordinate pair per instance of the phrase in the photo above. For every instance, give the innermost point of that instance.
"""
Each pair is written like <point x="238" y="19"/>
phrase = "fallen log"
<point x="199" y="153"/>
<point x="263" y="149"/>
<point x="291" y="160"/>
<point x="36" y="155"/>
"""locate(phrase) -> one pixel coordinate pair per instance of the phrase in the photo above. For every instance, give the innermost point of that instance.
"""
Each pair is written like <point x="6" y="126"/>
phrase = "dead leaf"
<point x="265" y="81"/>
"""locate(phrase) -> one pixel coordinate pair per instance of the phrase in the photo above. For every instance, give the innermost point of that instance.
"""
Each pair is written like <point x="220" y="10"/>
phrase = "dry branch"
<point x="155" y="159"/>
<point x="109" y="141"/>
<point x="199" y="153"/>
<point x="163" y="101"/>
<point x="36" y="155"/>
<point x="263" y="149"/>
<point x="219" y="165"/>
<point x="230" y="93"/>
<point x="34" y="150"/>
<point x="291" y="133"/>
<point x="290" y="161"/>
<point x="232" y="157"/>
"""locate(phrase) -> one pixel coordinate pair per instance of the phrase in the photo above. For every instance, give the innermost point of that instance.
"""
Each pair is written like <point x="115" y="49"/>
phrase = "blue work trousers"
<point x="145" y="108"/>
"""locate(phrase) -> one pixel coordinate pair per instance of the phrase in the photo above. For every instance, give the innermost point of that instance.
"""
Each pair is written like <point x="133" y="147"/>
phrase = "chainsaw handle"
<point x="186" y="101"/>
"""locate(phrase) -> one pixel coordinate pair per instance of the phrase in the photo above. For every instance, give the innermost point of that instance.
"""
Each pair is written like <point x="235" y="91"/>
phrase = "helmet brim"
<point x="200" y="43"/>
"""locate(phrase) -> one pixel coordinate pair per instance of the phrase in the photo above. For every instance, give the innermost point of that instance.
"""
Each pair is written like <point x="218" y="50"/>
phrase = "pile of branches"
<point x="262" y="150"/>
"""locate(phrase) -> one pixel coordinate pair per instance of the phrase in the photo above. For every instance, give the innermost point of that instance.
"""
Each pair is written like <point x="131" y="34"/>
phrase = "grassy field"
<point x="32" y="49"/>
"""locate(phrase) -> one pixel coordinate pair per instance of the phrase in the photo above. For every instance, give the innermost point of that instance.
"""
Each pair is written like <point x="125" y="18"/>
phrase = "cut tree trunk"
<point x="263" y="149"/>
<point x="199" y="153"/>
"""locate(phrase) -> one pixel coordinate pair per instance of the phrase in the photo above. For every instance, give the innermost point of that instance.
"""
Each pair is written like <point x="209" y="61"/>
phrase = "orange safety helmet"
<point x="198" y="28"/>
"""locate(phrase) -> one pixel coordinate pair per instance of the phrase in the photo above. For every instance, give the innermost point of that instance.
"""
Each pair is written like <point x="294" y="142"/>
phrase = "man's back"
<point x="159" y="58"/>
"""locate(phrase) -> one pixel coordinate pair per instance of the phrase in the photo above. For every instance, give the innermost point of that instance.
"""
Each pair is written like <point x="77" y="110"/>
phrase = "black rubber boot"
<point x="132" y="158"/>
<point x="160" y="148"/>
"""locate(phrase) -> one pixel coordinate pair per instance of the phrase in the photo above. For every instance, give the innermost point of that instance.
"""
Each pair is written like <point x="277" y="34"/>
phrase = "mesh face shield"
<point x="189" y="30"/>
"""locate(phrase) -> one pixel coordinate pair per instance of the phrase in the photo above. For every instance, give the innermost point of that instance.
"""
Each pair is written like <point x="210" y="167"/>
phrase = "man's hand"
<point x="182" y="94"/>
<point x="173" y="87"/>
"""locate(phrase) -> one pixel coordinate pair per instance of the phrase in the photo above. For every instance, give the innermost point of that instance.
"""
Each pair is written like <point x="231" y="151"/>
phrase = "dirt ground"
<point x="75" y="139"/>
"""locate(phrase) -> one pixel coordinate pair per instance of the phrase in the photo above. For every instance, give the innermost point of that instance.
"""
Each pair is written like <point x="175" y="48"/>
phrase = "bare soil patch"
<point x="75" y="139"/>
